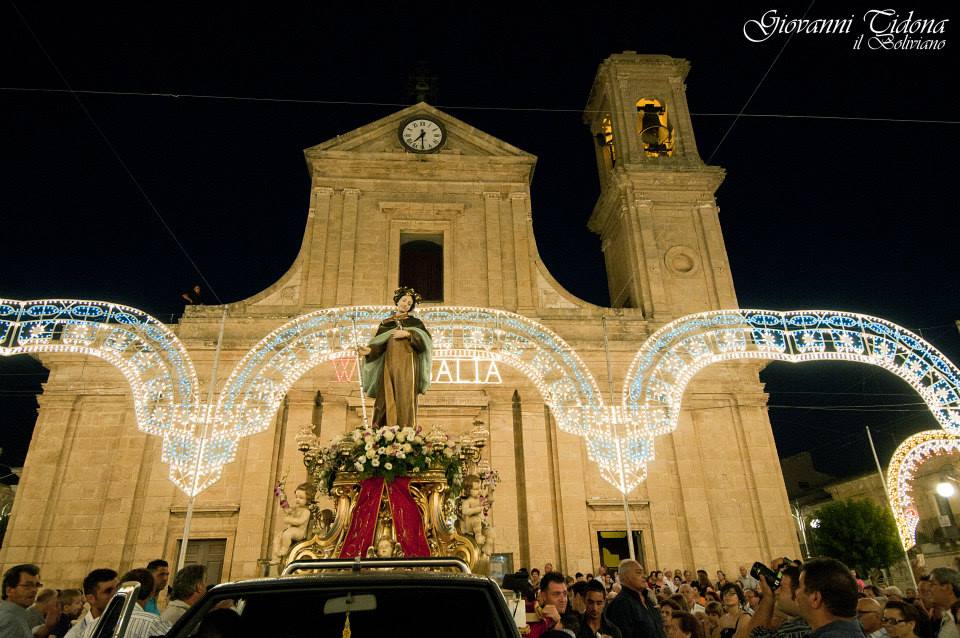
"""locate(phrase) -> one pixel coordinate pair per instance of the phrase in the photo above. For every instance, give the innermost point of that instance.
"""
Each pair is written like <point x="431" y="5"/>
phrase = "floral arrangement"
<point x="489" y="480"/>
<point x="389" y="452"/>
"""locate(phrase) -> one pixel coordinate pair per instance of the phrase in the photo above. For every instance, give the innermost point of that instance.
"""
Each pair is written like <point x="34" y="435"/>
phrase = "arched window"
<point x="653" y="125"/>
<point x="421" y="265"/>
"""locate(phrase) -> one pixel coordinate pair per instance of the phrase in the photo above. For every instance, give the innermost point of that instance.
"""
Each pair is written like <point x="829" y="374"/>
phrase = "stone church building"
<point x="456" y="224"/>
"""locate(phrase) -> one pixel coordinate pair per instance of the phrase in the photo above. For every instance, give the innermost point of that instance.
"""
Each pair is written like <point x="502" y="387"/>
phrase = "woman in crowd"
<point x="684" y="625"/>
<point x="711" y="619"/>
<point x="703" y="583"/>
<point x="654" y="581"/>
<point x="735" y="622"/>
<point x="667" y="609"/>
<point x="721" y="580"/>
<point x="902" y="620"/>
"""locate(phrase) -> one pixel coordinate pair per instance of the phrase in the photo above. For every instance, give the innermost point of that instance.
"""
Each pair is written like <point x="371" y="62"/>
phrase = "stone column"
<point x="491" y="205"/>
<point x="519" y="205"/>
<point x="317" y="228"/>
<point x="348" y="246"/>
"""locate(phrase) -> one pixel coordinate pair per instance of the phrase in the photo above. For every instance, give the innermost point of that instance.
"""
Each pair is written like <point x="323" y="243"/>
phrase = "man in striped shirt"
<point x="143" y="624"/>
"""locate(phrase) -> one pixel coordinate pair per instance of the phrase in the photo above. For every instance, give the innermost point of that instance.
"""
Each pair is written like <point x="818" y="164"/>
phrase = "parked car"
<point x="319" y="598"/>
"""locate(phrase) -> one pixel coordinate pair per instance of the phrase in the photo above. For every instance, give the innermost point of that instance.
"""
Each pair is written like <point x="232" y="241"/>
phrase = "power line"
<point x="454" y="107"/>
<point x="113" y="150"/>
<point x="756" y="88"/>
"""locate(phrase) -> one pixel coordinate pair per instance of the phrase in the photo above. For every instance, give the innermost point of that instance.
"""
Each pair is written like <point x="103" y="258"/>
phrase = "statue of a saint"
<point x="397" y="363"/>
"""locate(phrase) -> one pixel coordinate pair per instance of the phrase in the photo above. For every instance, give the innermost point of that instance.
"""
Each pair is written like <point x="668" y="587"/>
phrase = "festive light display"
<point x="151" y="358"/>
<point x="619" y="438"/>
<point x="904" y="464"/>
<point x="674" y="354"/>
<point x="256" y="387"/>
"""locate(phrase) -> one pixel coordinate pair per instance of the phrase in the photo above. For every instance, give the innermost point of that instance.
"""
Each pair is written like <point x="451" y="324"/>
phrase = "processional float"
<point x="427" y="495"/>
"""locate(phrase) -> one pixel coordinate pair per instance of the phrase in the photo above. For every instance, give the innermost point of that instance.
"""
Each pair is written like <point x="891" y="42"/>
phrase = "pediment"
<point x="380" y="137"/>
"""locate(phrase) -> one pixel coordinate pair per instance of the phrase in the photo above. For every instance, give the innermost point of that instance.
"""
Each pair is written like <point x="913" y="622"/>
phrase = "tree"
<point x="858" y="532"/>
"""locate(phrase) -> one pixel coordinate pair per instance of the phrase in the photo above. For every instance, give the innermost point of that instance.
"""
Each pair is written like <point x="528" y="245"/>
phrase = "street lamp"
<point x="945" y="489"/>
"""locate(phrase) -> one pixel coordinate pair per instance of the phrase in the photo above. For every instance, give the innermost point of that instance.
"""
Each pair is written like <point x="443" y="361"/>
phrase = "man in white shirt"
<point x="99" y="586"/>
<point x="746" y="580"/>
<point x="692" y="598"/>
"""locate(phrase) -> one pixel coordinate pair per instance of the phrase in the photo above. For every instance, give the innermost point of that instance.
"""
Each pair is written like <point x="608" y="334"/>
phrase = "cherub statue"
<point x="385" y="548"/>
<point x="296" y="519"/>
<point x="471" y="509"/>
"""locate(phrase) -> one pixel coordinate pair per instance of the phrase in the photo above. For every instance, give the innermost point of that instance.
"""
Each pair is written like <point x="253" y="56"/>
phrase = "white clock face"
<point x="421" y="135"/>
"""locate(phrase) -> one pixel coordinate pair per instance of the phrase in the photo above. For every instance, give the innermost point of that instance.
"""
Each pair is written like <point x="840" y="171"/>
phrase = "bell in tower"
<point x="637" y="111"/>
<point x="656" y="215"/>
<point x="653" y="126"/>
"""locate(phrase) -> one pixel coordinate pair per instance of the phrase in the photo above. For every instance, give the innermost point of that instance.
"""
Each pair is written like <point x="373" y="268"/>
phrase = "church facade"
<point x="421" y="198"/>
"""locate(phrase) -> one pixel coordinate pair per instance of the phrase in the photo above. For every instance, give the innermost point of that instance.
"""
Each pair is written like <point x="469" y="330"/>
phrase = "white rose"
<point x="359" y="466"/>
<point x="375" y="462"/>
<point x="401" y="455"/>
<point x="368" y="446"/>
<point x="371" y="453"/>
<point x="389" y="435"/>
<point x="407" y="448"/>
<point x="388" y="465"/>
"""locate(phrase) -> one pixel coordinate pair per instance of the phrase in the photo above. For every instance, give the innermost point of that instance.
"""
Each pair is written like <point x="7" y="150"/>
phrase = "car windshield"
<point x="400" y="610"/>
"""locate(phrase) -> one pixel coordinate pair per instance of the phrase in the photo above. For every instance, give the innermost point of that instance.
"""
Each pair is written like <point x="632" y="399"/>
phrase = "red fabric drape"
<point x="406" y="518"/>
<point x="364" y="522"/>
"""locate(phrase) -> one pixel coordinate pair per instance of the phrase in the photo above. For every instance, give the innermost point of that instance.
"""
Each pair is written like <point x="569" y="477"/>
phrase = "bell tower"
<point x="657" y="214"/>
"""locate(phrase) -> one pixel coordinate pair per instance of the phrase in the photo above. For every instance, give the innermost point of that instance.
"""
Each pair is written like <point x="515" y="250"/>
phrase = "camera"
<point x="519" y="583"/>
<point x="759" y="570"/>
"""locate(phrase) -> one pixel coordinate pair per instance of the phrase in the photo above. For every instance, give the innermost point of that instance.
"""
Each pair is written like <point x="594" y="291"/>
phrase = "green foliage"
<point x="858" y="532"/>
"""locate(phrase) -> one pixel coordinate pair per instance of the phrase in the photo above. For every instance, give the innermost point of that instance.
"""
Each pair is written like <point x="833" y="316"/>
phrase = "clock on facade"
<point x="421" y="134"/>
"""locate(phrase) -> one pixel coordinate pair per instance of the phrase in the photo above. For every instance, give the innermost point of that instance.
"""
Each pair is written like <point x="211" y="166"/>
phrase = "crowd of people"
<point x="28" y="610"/>
<point x="821" y="598"/>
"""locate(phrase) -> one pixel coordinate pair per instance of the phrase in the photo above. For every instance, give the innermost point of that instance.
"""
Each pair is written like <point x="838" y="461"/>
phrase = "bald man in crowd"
<point x="870" y="614"/>
<point x="632" y="610"/>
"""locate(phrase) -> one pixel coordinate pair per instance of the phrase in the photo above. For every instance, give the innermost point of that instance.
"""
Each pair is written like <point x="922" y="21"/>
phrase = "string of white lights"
<point x="165" y="388"/>
<point x="903" y="468"/>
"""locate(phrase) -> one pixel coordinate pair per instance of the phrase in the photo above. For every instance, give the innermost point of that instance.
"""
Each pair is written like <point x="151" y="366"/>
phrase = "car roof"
<point x="340" y="578"/>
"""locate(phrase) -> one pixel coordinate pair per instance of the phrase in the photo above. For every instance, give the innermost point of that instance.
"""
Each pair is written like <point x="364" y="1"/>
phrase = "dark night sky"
<point x="851" y="214"/>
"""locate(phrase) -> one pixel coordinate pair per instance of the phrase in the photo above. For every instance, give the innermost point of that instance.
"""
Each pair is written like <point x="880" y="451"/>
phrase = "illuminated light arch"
<point x="663" y="367"/>
<point x="619" y="439"/>
<point x="904" y="463"/>
<point x="151" y="358"/>
<point x="258" y="383"/>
